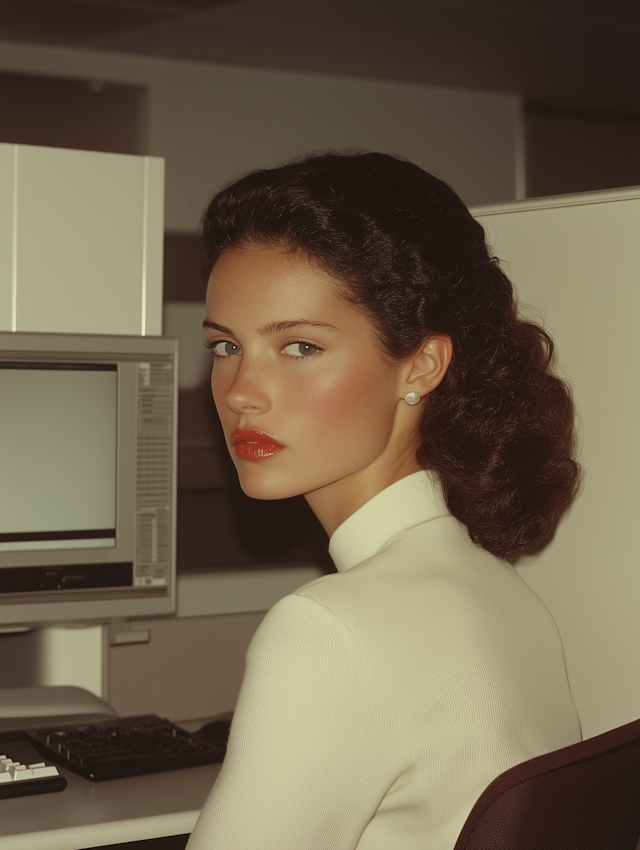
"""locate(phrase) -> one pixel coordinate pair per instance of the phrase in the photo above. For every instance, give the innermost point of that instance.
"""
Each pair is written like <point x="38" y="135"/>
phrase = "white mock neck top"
<point x="379" y="702"/>
<point x="407" y="503"/>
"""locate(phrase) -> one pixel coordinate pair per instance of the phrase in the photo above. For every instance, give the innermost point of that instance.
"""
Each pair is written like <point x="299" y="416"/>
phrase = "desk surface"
<point x="91" y="814"/>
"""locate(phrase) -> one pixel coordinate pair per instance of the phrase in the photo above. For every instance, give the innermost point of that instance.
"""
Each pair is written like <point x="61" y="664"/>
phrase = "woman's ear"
<point x="429" y="365"/>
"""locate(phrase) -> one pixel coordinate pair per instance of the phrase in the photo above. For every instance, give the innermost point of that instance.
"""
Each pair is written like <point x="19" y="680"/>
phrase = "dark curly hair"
<point x="499" y="429"/>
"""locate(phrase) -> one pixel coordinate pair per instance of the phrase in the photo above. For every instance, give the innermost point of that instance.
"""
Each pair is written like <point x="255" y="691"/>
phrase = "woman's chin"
<point x="256" y="487"/>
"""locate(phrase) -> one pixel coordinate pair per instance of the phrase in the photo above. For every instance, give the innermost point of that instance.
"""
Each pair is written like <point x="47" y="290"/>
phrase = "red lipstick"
<point x="251" y="444"/>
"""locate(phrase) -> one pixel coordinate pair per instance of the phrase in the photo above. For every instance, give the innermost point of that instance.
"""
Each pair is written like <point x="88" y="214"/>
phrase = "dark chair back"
<point x="583" y="797"/>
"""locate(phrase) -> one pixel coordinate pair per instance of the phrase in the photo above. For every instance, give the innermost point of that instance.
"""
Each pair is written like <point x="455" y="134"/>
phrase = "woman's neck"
<point x="336" y="502"/>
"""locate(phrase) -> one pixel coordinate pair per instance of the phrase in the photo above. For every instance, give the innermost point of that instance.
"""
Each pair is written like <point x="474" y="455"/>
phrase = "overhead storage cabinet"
<point x="80" y="241"/>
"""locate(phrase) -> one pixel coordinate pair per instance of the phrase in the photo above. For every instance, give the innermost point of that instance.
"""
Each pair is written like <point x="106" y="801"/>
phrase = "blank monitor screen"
<point x="58" y="431"/>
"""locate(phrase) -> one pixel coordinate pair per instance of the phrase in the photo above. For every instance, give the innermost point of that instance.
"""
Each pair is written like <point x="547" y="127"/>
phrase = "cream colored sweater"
<point x="378" y="703"/>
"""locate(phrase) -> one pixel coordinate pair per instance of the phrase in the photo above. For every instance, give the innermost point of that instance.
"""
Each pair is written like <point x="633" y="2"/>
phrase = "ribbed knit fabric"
<point x="378" y="703"/>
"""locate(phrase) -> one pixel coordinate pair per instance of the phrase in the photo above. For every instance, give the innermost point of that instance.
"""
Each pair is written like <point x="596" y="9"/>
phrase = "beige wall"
<point x="212" y="121"/>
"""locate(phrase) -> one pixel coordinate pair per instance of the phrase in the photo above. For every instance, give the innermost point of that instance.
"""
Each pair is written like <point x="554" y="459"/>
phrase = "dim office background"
<point x="505" y="100"/>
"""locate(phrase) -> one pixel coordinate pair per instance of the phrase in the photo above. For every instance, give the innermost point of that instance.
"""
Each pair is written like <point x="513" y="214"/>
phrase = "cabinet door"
<point x="80" y="241"/>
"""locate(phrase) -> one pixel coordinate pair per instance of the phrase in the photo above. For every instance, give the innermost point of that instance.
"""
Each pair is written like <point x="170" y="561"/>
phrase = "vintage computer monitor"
<point x="87" y="477"/>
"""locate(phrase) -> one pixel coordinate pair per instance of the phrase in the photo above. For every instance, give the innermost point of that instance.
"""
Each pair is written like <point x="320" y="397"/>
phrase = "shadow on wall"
<point x="73" y="113"/>
<point x="569" y="153"/>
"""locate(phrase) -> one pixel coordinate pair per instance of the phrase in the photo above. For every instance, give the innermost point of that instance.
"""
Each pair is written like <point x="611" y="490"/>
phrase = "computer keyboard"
<point x="125" y="746"/>
<point x="23" y="771"/>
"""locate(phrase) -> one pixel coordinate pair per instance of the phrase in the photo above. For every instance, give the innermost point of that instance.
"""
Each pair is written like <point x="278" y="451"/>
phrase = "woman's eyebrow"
<point x="277" y="327"/>
<point x="215" y="327"/>
<point x="273" y="327"/>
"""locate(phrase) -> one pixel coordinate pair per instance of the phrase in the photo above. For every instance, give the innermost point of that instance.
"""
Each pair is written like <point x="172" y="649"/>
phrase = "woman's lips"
<point x="250" y="444"/>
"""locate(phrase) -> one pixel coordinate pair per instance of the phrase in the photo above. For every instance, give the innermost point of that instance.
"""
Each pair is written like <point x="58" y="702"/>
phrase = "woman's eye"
<point x="301" y="349"/>
<point x="225" y="348"/>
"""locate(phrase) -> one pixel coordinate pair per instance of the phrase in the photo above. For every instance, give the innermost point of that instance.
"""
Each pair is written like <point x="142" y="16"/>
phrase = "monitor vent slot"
<point x="154" y="473"/>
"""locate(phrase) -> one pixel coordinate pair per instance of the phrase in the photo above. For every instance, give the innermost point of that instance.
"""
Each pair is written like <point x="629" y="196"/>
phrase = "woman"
<point x="367" y="353"/>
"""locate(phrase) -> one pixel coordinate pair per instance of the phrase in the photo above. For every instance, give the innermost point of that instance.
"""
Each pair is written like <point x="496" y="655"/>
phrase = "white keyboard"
<point x="23" y="771"/>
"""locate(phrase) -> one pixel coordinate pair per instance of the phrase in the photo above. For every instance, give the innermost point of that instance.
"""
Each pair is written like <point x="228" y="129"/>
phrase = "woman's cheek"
<point x="333" y="399"/>
<point x="341" y="412"/>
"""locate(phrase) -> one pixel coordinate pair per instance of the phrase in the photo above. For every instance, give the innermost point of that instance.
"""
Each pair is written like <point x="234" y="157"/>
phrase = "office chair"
<point x="582" y="797"/>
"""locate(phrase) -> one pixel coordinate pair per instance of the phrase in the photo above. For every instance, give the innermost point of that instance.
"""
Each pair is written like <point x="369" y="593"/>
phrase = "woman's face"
<point x="306" y="400"/>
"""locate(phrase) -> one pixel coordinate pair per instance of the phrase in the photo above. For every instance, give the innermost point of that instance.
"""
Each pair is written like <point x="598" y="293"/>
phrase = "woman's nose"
<point x="247" y="392"/>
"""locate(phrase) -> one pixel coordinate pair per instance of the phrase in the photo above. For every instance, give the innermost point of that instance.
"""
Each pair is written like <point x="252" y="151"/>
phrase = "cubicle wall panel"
<point x="7" y="196"/>
<point x="575" y="260"/>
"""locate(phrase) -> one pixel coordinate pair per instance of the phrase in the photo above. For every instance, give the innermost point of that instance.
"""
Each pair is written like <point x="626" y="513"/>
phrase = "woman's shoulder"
<point x="431" y="569"/>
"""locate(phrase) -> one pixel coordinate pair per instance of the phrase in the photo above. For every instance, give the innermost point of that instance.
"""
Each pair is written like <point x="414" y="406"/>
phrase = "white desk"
<point x="91" y="814"/>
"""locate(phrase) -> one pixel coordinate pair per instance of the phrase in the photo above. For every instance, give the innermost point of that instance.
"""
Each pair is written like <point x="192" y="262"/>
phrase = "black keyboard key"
<point x="128" y="747"/>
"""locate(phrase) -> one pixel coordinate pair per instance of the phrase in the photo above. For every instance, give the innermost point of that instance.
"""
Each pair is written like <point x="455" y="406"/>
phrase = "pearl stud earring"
<point x="412" y="398"/>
